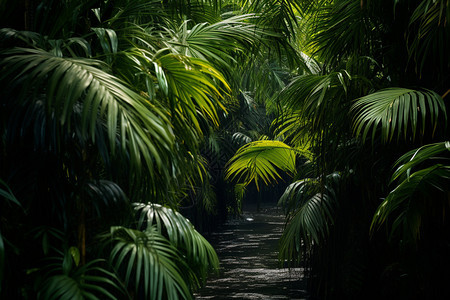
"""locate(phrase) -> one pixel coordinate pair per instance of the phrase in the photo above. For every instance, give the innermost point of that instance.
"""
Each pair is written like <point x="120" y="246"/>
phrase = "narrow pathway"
<point x="247" y="250"/>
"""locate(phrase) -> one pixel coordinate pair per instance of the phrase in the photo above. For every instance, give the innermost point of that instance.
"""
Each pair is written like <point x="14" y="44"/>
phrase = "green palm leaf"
<point x="318" y="101"/>
<point x="397" y="110"/>
<point x="416" y="190"/>
<point x="210" y="41"/>
<point x="310" y="205"/>
<point x="6" y="193"/>
<point x="89" y="281"/>
<point x="428" y="44"/>
<point x="181" y="233"/>
<point x="296" y="193"/>
<point x="150" y="262"/>
<point x="309" y="225"/>
<point x="417" y="156"/>
<point x="193" y="83"/>
<point x="339" y="30"/>
<point x="407" y="203"/>
<point x="142" y="133"/>
<point x="259" y="160"/>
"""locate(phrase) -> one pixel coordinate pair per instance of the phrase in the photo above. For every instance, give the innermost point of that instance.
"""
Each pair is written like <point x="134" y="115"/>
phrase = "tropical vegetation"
<point x="107" y="109"/>
<point x="366" y="209"/>
<point x="119" y="119"/>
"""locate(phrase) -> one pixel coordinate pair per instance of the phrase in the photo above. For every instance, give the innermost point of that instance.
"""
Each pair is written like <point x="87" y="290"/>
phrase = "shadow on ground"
<point x="247" y="249"/>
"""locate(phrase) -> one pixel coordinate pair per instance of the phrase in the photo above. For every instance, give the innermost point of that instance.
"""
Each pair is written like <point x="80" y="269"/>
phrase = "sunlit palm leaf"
<point x="181" y="233"/>
<point x="259" y="160"/>
<point x="192" y="84"/>
<point x="292" y="127"/>
<point x="149" y="264"/>
<point x="142" y="133"/>
<point x="397" y="110"/>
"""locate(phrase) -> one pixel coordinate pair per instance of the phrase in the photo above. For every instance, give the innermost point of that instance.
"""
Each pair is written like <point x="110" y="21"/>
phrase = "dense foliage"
<point x="109" y="126"/>
<point x="115" y="116"/>
<point x="367" y="213"/>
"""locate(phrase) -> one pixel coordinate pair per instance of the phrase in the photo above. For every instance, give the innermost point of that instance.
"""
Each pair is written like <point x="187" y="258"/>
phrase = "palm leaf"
<point x="193" y="83"/>
<point x="428" y="44"/>
<point x="308" y="226"/>
<point x="150" y="262"/>
<point x="417" y="156"/>
<point x="6" y="193"/>
<point x="339" y="30"/>
<point x="143" y="134"/>
<point x="397" y="110"/>
<point x="296" y="193"/>
<point x="310" y="205"/>
<point x="406" y="204"/>
<point x="89" y="281"/>
<point x="259" y="160"/>
<point x="210" y="42"/>
<point x="181" y="233"/>
<point x="318" y="100"/>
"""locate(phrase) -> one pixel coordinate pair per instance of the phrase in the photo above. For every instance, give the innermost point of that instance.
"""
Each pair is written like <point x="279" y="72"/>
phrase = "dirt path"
<point x="247" y="249"/>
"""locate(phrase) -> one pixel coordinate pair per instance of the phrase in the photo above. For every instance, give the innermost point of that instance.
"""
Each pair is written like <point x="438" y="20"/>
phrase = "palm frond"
<point x="190" y="84"/>
<point x="413" y="158"/>
<point x="149" y="263"/>
<point x="428" y="35"/>
<point x="406" y="205"/>
<point x="310" y="205"/>
<point x="63" y="280"/>
<point x="397" y="110"/>
<point x="308" y="226"/>
<point x="280" y="15"/>
<point x="140" y="126"/>
<point x="198" y="251"/>
<point x="6" y="193"/>
<point x="259" y="160"/>
<point x="296" y="193"/>
<point x="210" y="41"/>
<point x="339" y="30"/>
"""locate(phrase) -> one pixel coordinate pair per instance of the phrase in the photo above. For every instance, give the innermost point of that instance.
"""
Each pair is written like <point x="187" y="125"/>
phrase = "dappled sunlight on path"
<point x="247" y="248"/>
